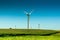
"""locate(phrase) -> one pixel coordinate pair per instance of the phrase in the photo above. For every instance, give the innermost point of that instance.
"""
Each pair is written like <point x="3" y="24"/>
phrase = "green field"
<point x="31" y="38"/>
<point x="25" y="31"/>
<point x="55" y="36"/>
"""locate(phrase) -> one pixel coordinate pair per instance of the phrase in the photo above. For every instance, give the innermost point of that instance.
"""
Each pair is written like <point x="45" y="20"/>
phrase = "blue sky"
<point x="46" y="13"/>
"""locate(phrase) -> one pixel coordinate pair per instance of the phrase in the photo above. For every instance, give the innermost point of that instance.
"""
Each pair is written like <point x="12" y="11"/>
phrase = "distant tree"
<point x="10" y="28"/>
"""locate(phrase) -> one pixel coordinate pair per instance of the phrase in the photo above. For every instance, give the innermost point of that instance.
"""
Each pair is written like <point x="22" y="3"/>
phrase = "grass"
<point x="29" y="37"/>
<point x="25" y="31"/>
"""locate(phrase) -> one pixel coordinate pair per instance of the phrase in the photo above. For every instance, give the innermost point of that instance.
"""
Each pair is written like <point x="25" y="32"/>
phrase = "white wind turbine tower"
<point x="28" y="18"/>
<point x="38" y="26"/>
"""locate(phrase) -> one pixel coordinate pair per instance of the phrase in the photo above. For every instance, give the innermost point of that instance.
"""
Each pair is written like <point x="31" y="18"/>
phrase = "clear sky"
<point x="46" y="13"/>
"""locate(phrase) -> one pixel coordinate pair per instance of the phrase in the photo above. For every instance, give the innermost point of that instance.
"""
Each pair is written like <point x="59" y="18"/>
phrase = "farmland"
<point x="25" y="31"/>
<point x="31" y="38"/>
<point x="34" y="34"/>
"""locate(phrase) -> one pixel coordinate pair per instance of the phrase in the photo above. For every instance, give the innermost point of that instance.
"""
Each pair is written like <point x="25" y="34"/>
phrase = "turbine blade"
<point x="31" y="12"/>
<point x="25" y="12"/>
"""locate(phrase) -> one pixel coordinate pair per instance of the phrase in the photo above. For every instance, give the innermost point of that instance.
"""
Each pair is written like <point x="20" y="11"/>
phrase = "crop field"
<point x="34" y="34"/>
<point x="25" y="31"/>
<point x="31" y="38"/>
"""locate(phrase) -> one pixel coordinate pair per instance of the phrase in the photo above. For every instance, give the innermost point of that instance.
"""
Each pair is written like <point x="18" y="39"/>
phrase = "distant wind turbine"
<point x="38" y="26"/>
<point x="15" y="26"/>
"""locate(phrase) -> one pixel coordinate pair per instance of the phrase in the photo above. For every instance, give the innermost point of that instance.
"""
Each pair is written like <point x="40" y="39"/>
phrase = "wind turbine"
<point x="15" y="26"/>
<point x="28" y="18"/>
<point x="38" y="26"/>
